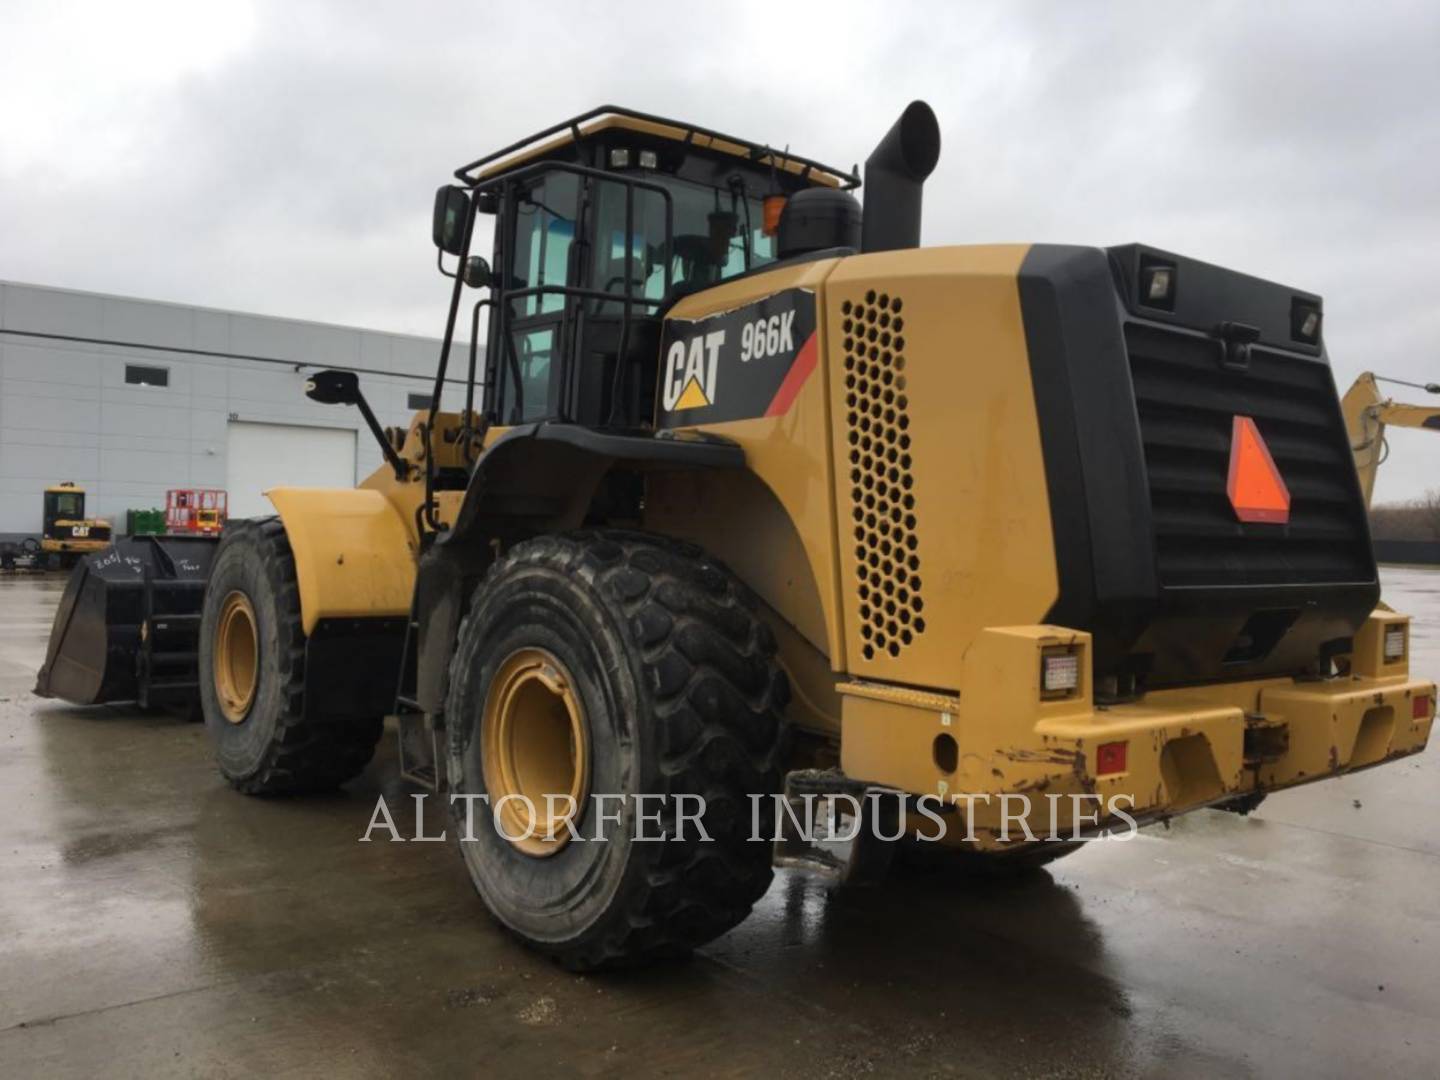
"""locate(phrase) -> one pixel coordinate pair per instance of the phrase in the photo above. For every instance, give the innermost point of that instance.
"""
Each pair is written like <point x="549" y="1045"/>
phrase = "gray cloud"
<point x="280" y="157"/>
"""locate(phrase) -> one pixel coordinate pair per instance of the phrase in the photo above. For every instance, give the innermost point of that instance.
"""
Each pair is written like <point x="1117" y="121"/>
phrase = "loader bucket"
<point x="128" y="622"/>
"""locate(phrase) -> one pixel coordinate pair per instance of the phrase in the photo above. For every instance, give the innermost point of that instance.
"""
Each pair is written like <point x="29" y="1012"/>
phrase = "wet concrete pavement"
<point x="154" y="923"/>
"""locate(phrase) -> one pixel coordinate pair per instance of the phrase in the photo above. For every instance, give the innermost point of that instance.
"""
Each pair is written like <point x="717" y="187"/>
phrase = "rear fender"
<point x="533" y="479"/>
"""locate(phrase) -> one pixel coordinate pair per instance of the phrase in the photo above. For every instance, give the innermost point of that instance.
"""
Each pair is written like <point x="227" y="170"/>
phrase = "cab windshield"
<point x="67" y="504"/>
<point x="718" y="234"/>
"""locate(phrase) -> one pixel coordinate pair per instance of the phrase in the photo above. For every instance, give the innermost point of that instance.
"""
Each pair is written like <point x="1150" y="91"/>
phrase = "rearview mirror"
<point x="447" y="227"/>
<point x="333" y="387"/>
<point x="343" y="388"/>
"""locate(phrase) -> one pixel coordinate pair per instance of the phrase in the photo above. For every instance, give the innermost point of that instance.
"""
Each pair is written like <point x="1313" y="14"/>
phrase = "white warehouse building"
<point x="129" y="398"/>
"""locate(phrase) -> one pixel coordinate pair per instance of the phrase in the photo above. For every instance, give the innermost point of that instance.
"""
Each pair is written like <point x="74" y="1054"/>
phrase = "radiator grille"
<point x="886" y="535"/>
<point x="1187" y="403"/>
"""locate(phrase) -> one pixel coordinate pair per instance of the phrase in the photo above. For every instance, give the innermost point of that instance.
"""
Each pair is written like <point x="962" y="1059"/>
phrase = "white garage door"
<point x="261" y="456"/>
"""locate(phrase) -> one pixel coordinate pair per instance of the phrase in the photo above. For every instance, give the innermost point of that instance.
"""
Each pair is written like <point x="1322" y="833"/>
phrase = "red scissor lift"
<point x="195" y="511"/>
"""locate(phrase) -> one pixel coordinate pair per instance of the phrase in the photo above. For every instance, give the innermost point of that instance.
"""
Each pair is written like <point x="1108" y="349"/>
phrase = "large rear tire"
<point x="252" y="675"/>
<point x="616" y="664"/>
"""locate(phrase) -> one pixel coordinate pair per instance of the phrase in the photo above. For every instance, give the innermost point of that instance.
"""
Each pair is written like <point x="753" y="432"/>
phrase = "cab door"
<point x="530" y="366"/>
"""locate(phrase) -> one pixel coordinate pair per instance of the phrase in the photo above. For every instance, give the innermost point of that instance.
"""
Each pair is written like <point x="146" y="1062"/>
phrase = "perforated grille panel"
<point x="885" y="532"/>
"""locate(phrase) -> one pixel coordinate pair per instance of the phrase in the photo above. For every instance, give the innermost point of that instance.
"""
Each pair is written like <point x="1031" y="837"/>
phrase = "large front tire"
<point x="252" y="675"/>
<point x="614" y="664"/>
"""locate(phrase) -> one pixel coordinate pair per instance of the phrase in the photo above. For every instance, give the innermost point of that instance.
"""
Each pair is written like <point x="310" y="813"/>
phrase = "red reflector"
<point x="1256" y="489"/>
<point x="1420" y="706"/>
<point x="1110" y="758"/>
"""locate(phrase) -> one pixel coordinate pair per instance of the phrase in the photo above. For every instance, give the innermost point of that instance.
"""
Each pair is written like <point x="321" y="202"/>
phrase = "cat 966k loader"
<point x="749" y="493"/>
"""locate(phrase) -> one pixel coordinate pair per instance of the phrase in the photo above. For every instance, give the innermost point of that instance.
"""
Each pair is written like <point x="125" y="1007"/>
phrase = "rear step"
<point x="864" y="858"/>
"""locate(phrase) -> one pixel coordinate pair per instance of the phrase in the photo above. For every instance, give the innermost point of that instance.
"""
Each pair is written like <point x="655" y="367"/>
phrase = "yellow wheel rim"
<point x="533" y="744"/>
<point x="237" y="657"/>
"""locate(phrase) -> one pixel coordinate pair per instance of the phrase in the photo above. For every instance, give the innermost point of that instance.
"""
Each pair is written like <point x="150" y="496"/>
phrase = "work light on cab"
<point x="1158" y="280"/>
<point x="1305" y="320"/>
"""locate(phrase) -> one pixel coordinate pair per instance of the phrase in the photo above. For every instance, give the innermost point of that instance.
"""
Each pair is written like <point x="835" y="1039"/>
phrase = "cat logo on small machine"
<point x="761" y="354"/>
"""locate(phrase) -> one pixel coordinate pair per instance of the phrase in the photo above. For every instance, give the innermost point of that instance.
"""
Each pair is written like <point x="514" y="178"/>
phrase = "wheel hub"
<point x="534" y="744"/>
<point x="237" y="657"/>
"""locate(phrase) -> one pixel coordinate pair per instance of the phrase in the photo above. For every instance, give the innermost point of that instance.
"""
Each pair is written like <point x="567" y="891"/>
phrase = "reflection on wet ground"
<point x="152" y="922"/>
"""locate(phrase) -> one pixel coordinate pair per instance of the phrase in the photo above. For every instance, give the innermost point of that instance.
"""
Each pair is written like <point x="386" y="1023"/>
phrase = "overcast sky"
<point x="282" y="157"/>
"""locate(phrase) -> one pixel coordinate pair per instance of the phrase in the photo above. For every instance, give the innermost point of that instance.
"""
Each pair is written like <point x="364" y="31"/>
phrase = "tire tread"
<point x="308" y="753"/>
<point x="718" y="697"/>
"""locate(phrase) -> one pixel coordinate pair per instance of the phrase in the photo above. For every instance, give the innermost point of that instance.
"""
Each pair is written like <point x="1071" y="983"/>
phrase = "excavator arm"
<point x="1368" y="413"/>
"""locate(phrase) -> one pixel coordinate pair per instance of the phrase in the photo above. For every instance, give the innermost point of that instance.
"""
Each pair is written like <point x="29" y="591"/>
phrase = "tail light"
<point x="1059" y="674"/>
<point x="1394" y="643"/>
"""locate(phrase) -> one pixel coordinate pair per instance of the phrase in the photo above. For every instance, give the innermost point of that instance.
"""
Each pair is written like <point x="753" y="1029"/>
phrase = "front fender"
<point x="353" y="555"/>
<point x="539" y="477"/>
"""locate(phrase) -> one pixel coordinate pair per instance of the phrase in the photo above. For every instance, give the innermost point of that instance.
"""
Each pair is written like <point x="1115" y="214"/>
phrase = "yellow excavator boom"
<point x="1368" y="412"/>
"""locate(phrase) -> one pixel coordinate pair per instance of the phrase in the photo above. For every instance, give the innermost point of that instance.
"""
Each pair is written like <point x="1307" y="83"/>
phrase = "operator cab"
<point x="64" y="503"/>
<point x="601" y="224"/>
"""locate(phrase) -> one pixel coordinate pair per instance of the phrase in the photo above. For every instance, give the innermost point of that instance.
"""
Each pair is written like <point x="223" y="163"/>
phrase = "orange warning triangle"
<point x="1256" y="489"/>
<point x="693" y="397"/>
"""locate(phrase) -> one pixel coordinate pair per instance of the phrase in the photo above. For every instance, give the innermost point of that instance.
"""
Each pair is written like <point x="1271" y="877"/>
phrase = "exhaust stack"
<point x="895" y="175"/>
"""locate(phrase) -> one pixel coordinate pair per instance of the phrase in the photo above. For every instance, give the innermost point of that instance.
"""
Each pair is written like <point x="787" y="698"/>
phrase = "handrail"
<point x="426" y="510"/>
<point x="484" y="301"/>
<point x="758" y="152"/>
<point x="502" y="298"/>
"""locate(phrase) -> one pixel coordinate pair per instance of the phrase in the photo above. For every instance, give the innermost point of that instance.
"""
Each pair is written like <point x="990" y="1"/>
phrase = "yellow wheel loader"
<point x="748" y="495"/>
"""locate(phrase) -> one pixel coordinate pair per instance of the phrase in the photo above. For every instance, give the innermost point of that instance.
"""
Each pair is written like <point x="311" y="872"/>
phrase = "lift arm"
<point x="1368" y="412"/>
